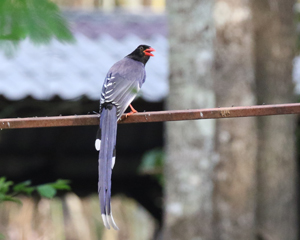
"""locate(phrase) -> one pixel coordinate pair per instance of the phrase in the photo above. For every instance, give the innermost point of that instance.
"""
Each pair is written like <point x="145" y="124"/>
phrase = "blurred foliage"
<point x="152" y="164"/>
<point x="9" y="190"/>
<point x="39" y="20"/>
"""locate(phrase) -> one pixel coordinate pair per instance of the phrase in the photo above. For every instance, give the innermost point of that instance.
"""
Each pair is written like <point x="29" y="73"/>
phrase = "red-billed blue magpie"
<point x="123" y="80"/>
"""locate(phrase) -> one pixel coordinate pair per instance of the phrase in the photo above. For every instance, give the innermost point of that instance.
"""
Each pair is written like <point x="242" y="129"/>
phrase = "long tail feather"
<point x="108" y="126"/>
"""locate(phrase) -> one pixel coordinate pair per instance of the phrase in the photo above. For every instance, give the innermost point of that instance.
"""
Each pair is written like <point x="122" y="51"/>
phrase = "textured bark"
<point x="275" y="45"/>
<point x="236" y="139"/>
<point x="189" y="145"/>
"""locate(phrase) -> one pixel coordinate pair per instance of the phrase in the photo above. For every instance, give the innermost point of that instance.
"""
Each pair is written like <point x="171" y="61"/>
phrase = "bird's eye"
<point x="141" y="48"/>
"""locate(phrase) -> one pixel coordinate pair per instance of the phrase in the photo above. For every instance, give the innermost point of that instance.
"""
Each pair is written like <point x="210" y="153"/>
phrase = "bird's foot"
<point x="132" y="111"/>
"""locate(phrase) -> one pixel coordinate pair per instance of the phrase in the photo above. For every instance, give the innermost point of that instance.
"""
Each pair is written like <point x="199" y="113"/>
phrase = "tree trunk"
<point x="190" y="144"/>
<point x="275" y="46"/>
<point x="235" y="174"/>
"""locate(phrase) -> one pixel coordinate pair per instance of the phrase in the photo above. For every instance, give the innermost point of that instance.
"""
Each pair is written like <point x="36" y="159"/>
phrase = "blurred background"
<point x="211" y="179"/>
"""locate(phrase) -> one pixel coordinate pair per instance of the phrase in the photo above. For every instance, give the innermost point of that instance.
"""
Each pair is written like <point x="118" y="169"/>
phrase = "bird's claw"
<point x="132" y="111"/>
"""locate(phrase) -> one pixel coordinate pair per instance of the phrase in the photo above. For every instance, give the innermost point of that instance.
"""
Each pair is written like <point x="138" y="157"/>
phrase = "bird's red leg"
<point x="132" y="111"/>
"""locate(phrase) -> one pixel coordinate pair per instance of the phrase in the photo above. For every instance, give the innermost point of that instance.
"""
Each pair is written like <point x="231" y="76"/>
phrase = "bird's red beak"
<point x="148" y="52"/>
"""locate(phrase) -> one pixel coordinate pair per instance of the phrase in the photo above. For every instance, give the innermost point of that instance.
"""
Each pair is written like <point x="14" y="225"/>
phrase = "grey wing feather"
<point x="119" y="91"/>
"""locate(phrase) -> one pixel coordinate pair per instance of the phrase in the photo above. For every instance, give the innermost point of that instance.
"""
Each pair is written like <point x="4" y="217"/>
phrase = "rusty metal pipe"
<point x="161" y="116"/>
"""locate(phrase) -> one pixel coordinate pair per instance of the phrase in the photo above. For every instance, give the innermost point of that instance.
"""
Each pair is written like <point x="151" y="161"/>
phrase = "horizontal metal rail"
<point x="161" y="116"/>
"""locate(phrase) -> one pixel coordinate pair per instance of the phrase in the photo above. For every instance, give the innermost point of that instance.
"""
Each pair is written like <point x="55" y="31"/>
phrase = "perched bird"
<point x="123" y="80"/>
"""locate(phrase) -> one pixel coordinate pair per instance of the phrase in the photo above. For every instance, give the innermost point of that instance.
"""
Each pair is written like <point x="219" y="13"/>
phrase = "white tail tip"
<point x="113" y="161"/>
<point x="97" y="144"/>
<point x="105" y="222"/>
<point x="109" y="221"/>
<point x="112" y="221"/>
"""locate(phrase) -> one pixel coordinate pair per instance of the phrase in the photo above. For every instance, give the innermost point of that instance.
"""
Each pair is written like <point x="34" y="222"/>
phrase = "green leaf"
<point x="4" y="185"/>
<point x="61" y="184"/>
<point x="20" y="186"/>
<point x="2" y="196"/>
<point x="134" y="90"/>
<point x="46" y="190"/>
<point x="2" y="181"/>
<point x="6" y="198"/>
<point x="39" y="20"/>
<point x="12" y="199"/>
<point x="152" y="160"/>
<point x="152" y="164"/>
<point x="24" y="187"/>
<point x="2" y="237"/>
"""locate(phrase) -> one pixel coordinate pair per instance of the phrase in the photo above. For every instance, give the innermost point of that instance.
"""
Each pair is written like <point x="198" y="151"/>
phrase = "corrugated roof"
<point x="118" y="24"/>
<point x="71" y="71"/>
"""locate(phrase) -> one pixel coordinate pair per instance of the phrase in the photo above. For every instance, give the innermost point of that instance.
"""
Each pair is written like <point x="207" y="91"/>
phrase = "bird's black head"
<point x="142" y="53"/>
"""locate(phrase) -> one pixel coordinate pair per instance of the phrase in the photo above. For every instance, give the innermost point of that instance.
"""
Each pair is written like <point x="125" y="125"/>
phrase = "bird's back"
<point x="123" y="80"/>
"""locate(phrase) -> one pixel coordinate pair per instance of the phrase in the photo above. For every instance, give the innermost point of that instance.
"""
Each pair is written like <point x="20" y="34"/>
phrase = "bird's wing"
<point x="119" y="91"/>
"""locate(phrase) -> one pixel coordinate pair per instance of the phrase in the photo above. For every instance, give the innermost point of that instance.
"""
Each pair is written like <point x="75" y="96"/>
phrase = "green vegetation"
<point x="37" y="20"/>
<point x="9" y="190"/>
<point x="152" y="164"/>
